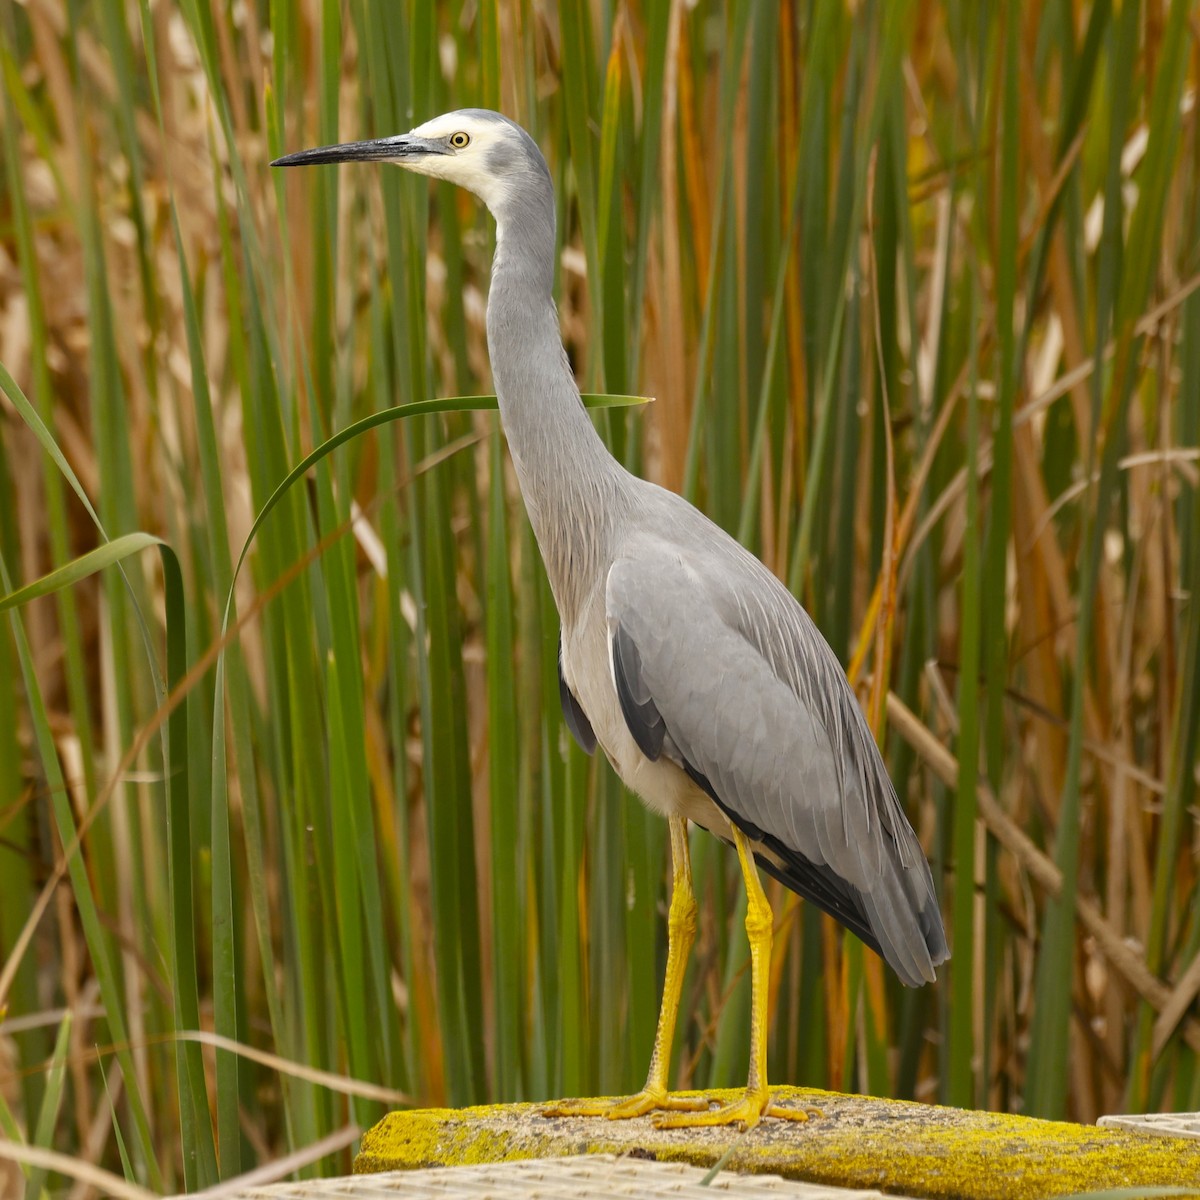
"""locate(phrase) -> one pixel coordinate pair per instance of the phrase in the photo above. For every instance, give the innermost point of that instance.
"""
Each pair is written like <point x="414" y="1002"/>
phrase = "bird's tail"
<point x="898" y="918"/>
<point x="902" y="909"/>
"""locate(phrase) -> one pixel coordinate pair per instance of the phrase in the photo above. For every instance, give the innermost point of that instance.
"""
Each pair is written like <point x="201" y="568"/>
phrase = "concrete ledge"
<point x="896" y="1146"/>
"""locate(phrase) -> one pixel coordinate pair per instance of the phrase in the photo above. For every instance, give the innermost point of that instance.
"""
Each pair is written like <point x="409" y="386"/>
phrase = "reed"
<point x="914" y="286"/>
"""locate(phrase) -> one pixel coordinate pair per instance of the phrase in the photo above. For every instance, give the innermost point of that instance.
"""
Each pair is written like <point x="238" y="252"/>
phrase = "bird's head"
<point x="477" y="149"/>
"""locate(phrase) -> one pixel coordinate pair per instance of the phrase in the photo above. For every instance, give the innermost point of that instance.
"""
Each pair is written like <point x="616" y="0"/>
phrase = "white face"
<point x="480" y="151"/>
<point x="467" y="141"/>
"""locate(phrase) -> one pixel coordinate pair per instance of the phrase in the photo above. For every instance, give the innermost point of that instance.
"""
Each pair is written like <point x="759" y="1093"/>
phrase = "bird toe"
<point x="648" y="1100"/>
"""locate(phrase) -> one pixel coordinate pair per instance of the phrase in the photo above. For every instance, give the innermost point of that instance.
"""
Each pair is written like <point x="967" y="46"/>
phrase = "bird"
<point x="696" y="671"/>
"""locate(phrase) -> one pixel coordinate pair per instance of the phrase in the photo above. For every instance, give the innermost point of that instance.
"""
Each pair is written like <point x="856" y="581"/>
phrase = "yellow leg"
<point x="756" y="1103"/>
<point x="681" y="933"/>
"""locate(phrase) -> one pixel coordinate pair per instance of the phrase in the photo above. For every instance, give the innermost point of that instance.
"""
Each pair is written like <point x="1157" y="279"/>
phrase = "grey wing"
<point x="725" y="678"/>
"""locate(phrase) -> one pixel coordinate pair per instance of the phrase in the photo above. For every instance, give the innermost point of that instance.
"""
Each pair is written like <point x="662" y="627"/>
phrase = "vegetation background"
<point x="914" y="285"/>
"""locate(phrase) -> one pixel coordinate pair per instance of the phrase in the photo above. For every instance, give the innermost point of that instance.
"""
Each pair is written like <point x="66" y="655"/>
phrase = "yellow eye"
<point x="459" y="140"/>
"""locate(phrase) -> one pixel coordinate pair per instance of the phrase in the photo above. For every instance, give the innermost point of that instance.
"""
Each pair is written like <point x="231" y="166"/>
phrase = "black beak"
<point x="375" y="150"/>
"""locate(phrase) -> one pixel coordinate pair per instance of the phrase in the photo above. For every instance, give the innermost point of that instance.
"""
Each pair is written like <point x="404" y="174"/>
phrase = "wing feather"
<point x="637" y="705"/>
<point x="573" y="714"/>
<point x="723" y="671"/>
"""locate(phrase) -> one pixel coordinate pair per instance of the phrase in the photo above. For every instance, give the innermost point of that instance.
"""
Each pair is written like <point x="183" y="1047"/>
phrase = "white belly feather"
<point x="662" y="786"/>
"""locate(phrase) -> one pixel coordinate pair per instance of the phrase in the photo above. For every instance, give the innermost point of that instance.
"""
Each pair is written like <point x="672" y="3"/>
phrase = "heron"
<point x="701" y="677"/>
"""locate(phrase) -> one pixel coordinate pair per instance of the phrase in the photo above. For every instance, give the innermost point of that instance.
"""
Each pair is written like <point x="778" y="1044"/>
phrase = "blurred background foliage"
<point x="914" y="287"/>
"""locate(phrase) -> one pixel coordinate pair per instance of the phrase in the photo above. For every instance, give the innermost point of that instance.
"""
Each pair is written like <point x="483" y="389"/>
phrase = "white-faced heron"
<point x="709" y="688"/>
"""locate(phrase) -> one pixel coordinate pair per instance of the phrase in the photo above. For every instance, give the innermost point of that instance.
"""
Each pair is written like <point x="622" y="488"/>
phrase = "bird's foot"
<point x="746" y="1112"/>
<point x="646" y="1101"/>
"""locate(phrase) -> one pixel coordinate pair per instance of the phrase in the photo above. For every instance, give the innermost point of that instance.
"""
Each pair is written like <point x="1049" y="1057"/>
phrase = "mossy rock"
<point x="896" y="1146"/>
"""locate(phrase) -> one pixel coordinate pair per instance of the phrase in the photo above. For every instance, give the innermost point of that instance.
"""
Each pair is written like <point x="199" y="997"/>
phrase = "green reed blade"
<point x="48" y="1114"/>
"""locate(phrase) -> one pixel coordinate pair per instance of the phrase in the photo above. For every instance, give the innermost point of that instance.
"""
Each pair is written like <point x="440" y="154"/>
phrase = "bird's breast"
<point x="661" y="784"/>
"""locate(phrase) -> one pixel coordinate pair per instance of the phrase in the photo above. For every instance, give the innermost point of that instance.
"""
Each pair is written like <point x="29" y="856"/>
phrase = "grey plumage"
<point x="720" y="671"/>
<point x="704" y="681"/>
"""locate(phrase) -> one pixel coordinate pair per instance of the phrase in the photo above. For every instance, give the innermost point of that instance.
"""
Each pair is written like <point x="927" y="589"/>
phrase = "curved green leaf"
<point x="385" y="416"/>
<point x="80" y="568"/>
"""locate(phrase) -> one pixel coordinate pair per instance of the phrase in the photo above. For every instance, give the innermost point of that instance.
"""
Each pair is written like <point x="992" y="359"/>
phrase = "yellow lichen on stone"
<point x="913" y="1149"/>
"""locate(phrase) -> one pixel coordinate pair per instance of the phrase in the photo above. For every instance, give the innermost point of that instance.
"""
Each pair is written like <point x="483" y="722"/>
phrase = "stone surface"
<point x="573" y="1178"/>
<point x="858" y="1142"/>
<point x="1185" y="1125"/>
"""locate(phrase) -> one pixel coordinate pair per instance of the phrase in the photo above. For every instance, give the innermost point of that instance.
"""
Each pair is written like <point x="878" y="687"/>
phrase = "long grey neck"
<point x="574" y="489"/>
